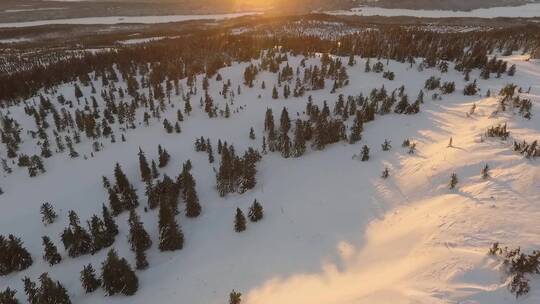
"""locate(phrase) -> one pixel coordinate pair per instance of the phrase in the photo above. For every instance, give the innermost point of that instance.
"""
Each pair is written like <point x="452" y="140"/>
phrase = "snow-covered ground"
<point x="124" y="19"/>
<point x="334" y="231"/>
<point x="526" y="11"/>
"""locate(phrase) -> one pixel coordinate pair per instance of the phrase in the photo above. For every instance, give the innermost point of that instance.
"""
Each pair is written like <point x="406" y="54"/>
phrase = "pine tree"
<point x="239" y="221"/>
<point x="385" y="173"/>
<point x="117" y="276"/>
<point x="210" y="152"/>
<point x="255" y="211"/>
<point x="275" y="94"/>
<point x="76" y="239"/>
<point x="146" y="173"/>
<point x="365" y="153"/>
<point x="90" y="282"/>
<point x="49" y="292"/>
<point x="8" y="296"/>
<point x="299" y="145"/>
<point x="171" y="237"/>
<point x="115" y="203"/>
<point x="51" y="254"/>
<point x="13" y="256"/>
<point x="109" y="222"/>
<point x="187" y="106"/>
<point x="235" y="297"/>
<point x="101" y="238"/>
<point x="155" y="172"/>
<point x="386" y="146"/>
<point x="139" y="239"/>
<point x="485" y="172"/>
<point x="453" y="181"/>
<point x="163" y="157"/>
<point x="48" y="215"/>
<point x="251" y="134"/>
<point x="356" y="129"/>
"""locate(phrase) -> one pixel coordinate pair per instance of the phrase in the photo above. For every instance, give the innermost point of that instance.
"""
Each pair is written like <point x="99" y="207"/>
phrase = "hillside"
<point x="334" y="230"/>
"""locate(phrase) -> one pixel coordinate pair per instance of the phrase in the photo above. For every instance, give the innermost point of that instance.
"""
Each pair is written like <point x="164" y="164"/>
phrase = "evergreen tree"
<point x="255" y="211"/>
<point x="299" y="145"/>
<point x="251" y="134"/>
<point x="146" y="173"/>
<point x="235" y="297"/>
<point x="48" y="215"/>
<point x="117" y="276"/>
<point x="171" y="237"/>
<point x="101" y="237"/>
<point x="356" y="128"/>
<point x="155" y="172"/>
<point x="90" y="282"/>
<point x="138" y="237"/>
<point x="239" y="221"/>
<point x="51" y="254"/>
<point x="385" y="173"/>
<point x="163" y="157"/>
<point x="139" y="240"/>
<point x="365" y="153"/>
<point x="386" y="145"/>
<point x="485" y="172"/>
<point x="109" y="222"/>
<point x="453" y="181"/>
<point x="8" y="296"/>
<point x="13" y="256"/>
<point x="275" y="94"/>
<point x="49" y="292"/>
<point x="76" y="239"/>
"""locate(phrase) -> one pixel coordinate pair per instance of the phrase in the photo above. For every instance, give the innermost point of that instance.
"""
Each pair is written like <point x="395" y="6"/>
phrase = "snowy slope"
<point x="334" y="231"/>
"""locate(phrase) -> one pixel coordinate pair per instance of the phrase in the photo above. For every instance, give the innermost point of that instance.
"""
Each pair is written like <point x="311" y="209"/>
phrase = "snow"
<point x="33" y="9"/>
<point x="143" y="40"/>
<point x="14" y="40"/>
<point x="526" y="11"/>
<point x="333" y="231"/>
<point x="124" y="19"/>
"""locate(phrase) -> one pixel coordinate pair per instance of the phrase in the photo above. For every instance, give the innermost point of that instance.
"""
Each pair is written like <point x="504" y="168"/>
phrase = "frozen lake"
<point x="120" y="19"/>
<point x="526" y="11"/>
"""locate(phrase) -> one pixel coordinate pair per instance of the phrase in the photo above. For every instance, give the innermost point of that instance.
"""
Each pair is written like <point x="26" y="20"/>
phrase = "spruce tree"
<point x="171" y="237"/>
<point x="356" y="128"/>
<point x="453" y="181"/>
<point x="117" y="276"/>
<point x="146" y="173"/>
<point x="485" y="172"/>
<point x="235" y="297"/>
<point x="163" y="157"/>
<point x="109" y="222"/>
<point x="386" y="146"/>
<point x="101" y="237"/>
<point x="48" y="215"/>
<point x="8" y="296"/>
<point x="239" y="221"/>
<point x="49" y="292"/>
<point x="365" y="153"/>
<point x="51" y="254"/>
<point x="251" y="134"/>
<point x="255" y="211"/>
<point x="77" y="241"/>
<point x="13" y="256"/>
<point x="385" y="173"/>
<point x="138" y="237"/>
<point x="90" y="282"/>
